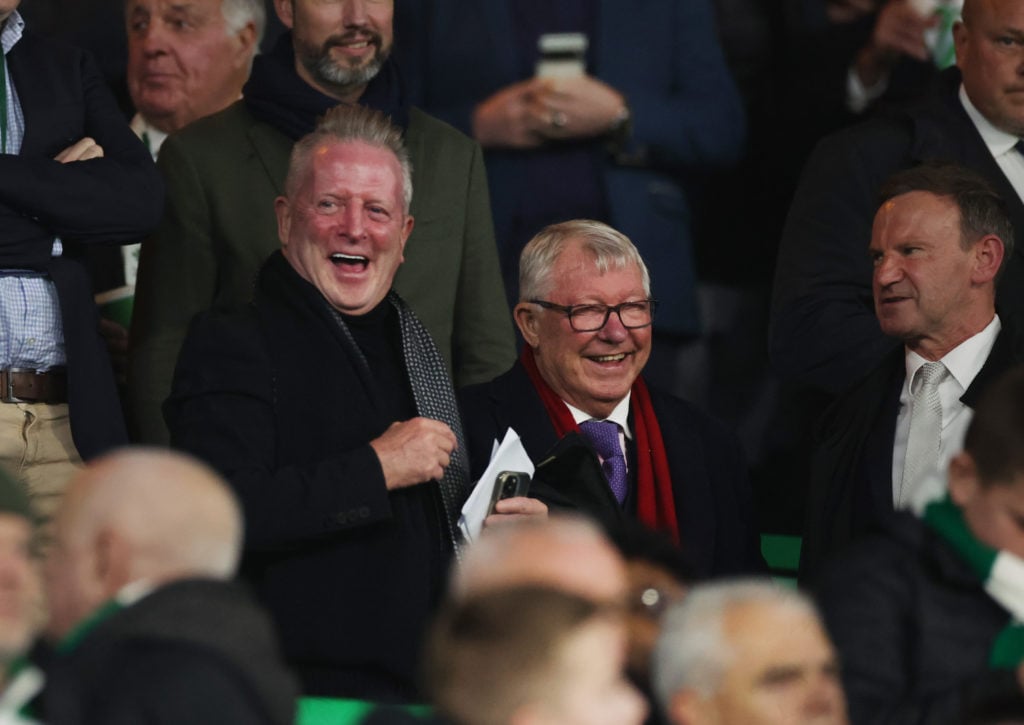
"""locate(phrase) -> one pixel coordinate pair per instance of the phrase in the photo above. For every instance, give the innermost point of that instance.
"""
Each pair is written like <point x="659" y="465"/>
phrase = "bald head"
<point x="566" y="553"/>
<point x="138" y="515"/>
<point x="989" y="65"/>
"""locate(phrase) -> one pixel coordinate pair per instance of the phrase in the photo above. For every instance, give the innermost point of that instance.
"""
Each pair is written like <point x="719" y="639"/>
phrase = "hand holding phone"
<point x="509" y="484"/>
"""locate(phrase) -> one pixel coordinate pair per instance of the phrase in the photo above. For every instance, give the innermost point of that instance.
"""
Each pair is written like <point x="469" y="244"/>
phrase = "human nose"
<point x="354" y="13"/>
<point x="613" y="328"/>
<point x="887" y="270"/>
<point x="825" y="697"/>
<point x="152" y="38"/>
<point x="351" y="221"/>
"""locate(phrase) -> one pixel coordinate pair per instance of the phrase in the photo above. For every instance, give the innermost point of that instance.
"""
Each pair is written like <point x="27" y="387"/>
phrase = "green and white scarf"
<point x="1001" y="574"/>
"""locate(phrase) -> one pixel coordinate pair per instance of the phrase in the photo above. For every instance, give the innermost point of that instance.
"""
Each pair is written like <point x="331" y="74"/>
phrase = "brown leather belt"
<point x="19" y="385"/>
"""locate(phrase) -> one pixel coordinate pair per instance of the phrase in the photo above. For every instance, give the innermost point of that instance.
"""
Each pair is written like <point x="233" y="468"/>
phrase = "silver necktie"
<point x="925" y="429"/>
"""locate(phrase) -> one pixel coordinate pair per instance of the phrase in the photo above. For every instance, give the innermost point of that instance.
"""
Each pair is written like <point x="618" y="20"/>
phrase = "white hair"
<point x="610" y="249"/>
<point x="692" y="651"/>
<point x="239" y="13"/>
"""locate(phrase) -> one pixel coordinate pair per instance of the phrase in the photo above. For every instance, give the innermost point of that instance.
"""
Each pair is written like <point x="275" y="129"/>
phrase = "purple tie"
<point x="604" y="436"/>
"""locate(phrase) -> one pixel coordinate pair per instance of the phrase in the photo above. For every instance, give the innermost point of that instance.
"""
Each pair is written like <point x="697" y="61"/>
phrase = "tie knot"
<point x="929" y="374"/>
<point x="604" y="436"/>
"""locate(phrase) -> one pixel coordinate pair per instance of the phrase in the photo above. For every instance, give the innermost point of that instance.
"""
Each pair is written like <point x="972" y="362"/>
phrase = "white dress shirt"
<point x="1000" y="144"/>
<point x="963" y="362"/>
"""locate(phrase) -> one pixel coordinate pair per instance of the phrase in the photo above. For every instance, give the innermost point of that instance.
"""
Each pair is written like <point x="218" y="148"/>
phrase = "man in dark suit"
<point x="585" y="312"/>
<point x="71" y="174"/>
<point x="824" y="332"/>
<point x="926" y="613"/>
<point x="329" y="409"/>
<point x="939" y="241"/>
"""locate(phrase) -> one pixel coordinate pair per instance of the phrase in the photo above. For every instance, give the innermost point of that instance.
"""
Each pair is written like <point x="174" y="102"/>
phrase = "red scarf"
<point x="655" y="506"/>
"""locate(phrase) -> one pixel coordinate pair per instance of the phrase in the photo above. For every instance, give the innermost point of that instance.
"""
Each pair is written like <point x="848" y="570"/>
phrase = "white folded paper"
<point x="509" y="456"/>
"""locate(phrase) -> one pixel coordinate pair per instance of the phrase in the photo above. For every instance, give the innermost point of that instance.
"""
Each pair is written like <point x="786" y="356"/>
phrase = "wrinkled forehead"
<point x="352" y="166"/>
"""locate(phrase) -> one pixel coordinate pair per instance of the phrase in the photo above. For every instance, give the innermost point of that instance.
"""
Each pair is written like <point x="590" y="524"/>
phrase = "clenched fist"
<point x="414" y="451"/>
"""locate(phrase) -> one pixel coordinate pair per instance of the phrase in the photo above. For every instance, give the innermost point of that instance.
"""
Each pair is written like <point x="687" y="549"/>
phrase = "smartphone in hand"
<point x="509" y="484"/>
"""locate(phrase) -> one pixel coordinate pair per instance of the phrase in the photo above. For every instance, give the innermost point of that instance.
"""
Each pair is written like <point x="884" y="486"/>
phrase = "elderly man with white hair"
<point x="145" y="626"/>
<point x="747" y="652"/>
<point x="187" y="60"/>
<point x="585" y="312"/>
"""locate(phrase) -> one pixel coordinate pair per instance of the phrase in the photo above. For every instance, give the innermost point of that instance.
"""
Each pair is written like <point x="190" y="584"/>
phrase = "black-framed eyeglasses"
<point x="591" y="318"/>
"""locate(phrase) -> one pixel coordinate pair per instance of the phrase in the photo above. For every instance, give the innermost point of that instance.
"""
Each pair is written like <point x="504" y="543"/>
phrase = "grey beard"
<point x="327" y="72"/>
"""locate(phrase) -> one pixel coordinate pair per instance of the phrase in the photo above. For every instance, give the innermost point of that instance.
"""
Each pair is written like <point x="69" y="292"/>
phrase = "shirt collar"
<point x="998" y="141"/>
<point x="620" y="415"/>
<point x="964" y="361"/>
<point x="152" y="136"/>
<point x="12" y="30"/>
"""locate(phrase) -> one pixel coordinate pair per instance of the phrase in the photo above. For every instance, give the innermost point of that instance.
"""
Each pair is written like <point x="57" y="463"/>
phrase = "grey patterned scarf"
<point x="434" y="398"/>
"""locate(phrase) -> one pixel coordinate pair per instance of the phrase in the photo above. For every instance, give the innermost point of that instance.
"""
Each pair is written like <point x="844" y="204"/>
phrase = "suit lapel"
<point x="948" y="133"/>
<point x="525" y="412"/>
<point x="1005" y="353"/>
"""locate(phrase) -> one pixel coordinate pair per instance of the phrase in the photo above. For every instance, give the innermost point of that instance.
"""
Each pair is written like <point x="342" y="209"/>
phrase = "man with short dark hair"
<point x="926" y="613"/>
<point x="585" y="312"/>
<point x="823" y="331"/>
<point x="940" y="240"/>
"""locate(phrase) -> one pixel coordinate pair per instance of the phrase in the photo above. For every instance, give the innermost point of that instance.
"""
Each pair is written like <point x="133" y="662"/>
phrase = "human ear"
<point x="283" y="211"/>
<point x="285" y="12"/>
<point x="526" y="320"/>
<point x="988" y="257"/>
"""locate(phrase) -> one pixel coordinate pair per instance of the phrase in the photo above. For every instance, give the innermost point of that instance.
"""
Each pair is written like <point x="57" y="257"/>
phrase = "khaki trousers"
<point x="36" y="446"/>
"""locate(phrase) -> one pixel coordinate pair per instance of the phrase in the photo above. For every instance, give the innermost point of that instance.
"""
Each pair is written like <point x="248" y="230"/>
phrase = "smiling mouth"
<point x="349" y="260"/>
<point x="354" y="42"/>
<point x="618" y="357"/>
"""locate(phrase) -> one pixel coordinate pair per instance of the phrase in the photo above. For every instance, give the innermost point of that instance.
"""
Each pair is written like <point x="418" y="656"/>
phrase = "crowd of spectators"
<point x="291" y="290"/>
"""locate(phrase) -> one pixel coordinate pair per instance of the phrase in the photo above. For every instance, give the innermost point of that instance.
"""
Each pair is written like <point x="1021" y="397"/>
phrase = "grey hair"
<point x="692" y="651"/>
<point x="239" y="13"/>
<point x="610" y="249"/>
<point x="351" y="123"/>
